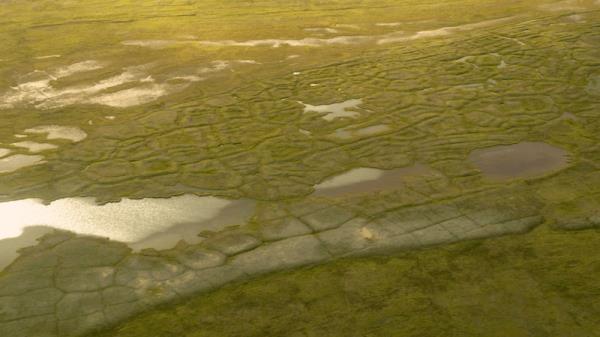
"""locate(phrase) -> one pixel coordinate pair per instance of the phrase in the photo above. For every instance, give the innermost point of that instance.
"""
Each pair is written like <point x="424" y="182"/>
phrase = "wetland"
<point x="347" y="168"/>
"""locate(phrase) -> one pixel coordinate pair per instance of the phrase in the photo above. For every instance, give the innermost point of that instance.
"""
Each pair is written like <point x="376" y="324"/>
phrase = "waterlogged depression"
<point x="329" y="112"/>
<point x="143" y="223"/>
<point x="341" y="40"/>
<point x="369" y="180"/>
<point x="42" y="88"/>
<point x="15" y="162"/>
<point x="522" y="160"/>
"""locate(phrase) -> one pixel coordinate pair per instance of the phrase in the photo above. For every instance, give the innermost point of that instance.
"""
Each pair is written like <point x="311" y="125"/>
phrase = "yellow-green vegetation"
<point x="540" y="284"/>
<point x="245" y="99"/>
<point x="507" y="76"/>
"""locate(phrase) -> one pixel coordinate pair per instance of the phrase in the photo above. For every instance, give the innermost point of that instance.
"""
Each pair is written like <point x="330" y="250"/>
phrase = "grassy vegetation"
<point x="242" y="133"/>
<point x="540" y="284"/>
<point x="244" y="122"/>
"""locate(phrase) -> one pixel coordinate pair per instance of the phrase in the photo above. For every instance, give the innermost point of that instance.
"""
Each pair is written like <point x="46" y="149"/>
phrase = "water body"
<point x="522" y="160"/>
<point x="78" y="67"/>
<point x="274" y="43"/>
<point x="443" y="31"/>
<point x="38" y="89"/>
<point x="132" y="96"/>
<point x="9" y="247"/>
<point x="52" y="132"/>
<point x="71" y="133"/>
<point x="335" y="110"/>
<point x="235" y="213"/>
<point x="142" y="223"/>
<point x="19" y="161"/>
<point x="41" y="92"/>
<point x="388" y="24"/>
<point x="322" y="30"/>
<point x="351" y="177"/>
<point x="369" y="180"/>
<point x="397" y="36"/>
<point x="47" y="57"/>
<point x="35" y="146"/>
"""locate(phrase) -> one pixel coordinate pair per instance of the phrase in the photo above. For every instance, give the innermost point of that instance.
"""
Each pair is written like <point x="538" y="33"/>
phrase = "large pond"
<point x="522" y="160"/>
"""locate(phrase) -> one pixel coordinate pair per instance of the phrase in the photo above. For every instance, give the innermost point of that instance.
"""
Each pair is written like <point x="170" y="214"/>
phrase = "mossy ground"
<point x="238" y="134"/>
<point x="540" y="284"/>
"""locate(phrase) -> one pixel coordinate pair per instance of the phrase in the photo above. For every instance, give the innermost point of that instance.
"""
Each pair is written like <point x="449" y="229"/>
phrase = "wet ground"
<point x="181" y="150"/>
<point x="368" y="180"/>
<point x="522" y="160"/>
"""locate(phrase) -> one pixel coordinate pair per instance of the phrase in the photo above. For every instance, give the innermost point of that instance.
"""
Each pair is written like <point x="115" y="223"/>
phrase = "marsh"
<point x="375" y="168"/>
